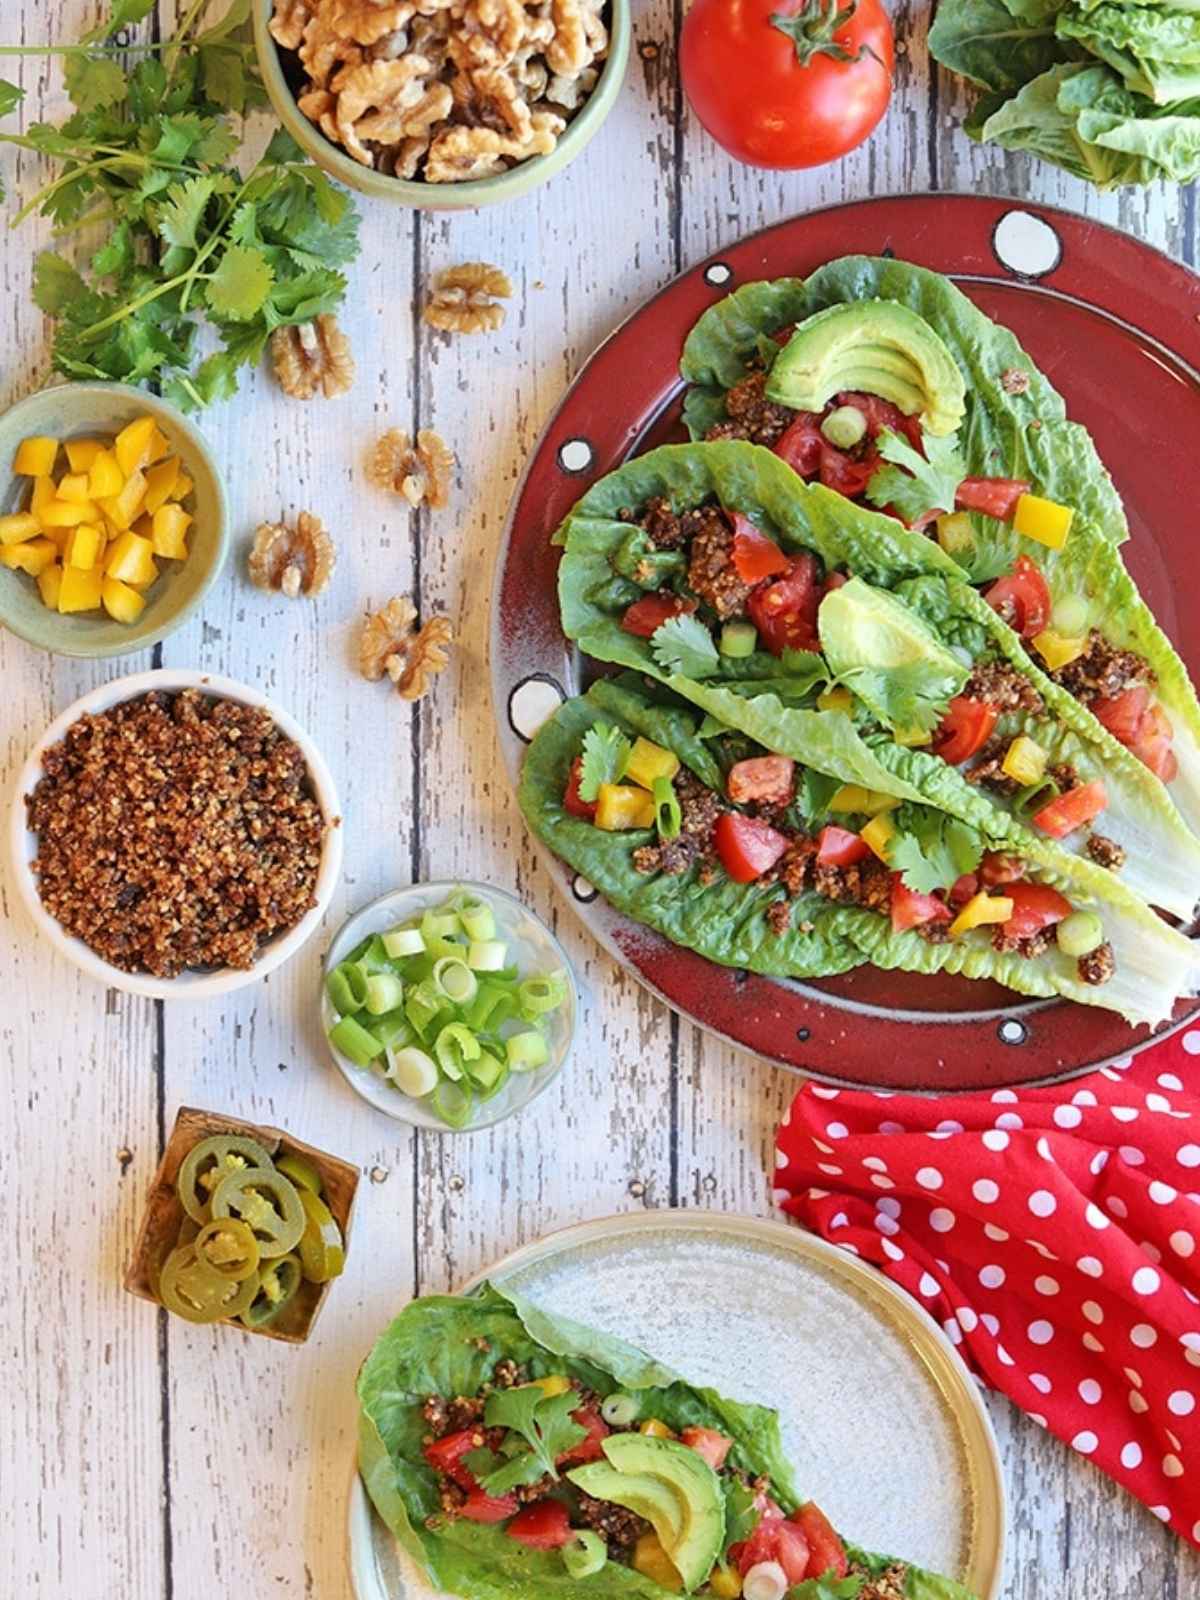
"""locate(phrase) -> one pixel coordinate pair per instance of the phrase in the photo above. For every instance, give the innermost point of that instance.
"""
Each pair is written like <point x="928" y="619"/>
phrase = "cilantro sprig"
<point x="544" y="1431"/>
<point x="932" y="850"/>
<point x="915" y="484"/>
<point x="684" y="645"/>
<point x="192" y="239"/>
<point x="605" y="756"/>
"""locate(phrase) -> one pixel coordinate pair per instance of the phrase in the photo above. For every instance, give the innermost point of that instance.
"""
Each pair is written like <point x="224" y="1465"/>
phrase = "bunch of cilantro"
<point x="187" y="238"/>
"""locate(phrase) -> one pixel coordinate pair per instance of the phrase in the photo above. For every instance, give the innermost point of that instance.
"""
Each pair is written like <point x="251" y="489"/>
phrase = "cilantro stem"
<point x="78" y="49"/>
<point x="129" y="159"/>
<point x="191" y="16"/>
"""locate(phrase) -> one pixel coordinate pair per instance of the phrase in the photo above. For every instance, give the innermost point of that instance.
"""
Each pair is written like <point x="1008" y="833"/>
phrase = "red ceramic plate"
<point x="1116" y="327"/>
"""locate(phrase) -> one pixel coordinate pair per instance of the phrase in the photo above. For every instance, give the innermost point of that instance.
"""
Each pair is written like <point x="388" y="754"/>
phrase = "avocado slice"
<point x="879" y="347"/>
<point x="676" y="1491"/>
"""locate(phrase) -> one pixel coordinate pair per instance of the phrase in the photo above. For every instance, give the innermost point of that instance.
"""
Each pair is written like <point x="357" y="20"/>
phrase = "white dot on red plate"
<point x="1168" y="1080"/>
<point x="1036" y="1244"/>
<point x="948" y="1125"/>
<point x="1094" y="1217"/>
<point x="994" y="1139"/>
<point x="1138" y="1404"/>
<point x="1042" y="1203"/>
<point x="1090" y="1392"/>
<point x="780" y="1195"/>
<point x="1098" y="1162"/>
<point x="1009" y="1119"/>
<point x="941" y="1220"/>
<point x="1046" y="1285"/>
<point x="1191" y="1043"/>
<point x="1004" y="1097"/>
<point x="985" y="1191"/>
<point x="967" y="1318"/>
<point x="997" y="1235"/>
<point x="928" y="1285"/>
<point x="1122" y="1063"/>
<point x="1143" y="1335"/>
<point x="1041" y="1331"/>
<point x="1162" y="1193"/>
<point x="1188" y="1155"/>
<point x="1117" y="1206"/>
<point x="1163" y="1513"/>
<point x="991" y="1277"/>
<point x="1157" y="1102"/>
<point x="929" y="1178"/>
<point x="1090" y="1342"/>
<point x="1040" y="1382"/>
<point x="1145" y="1281"/>
<point x="781" y="1158"/>
<point x="952" y="1328"/>
<point x="1172" y="1467"/>
<point x="1181" y="1403"/>
<point x="825" y="1149"/>
<point x="1092" y="1311"/>
<point x="1003" y="1357"/>
<point x="840" y="1221"/>
<point x="875" y="1163"/>
<point x="1131" y="1455"/>
<point x="1085" y="1442"/>
<point x="1068" y="1116"/>
<point x="1191" y="1348"/>
<point x="1131" y="1155"/>
<point x="1182" y="1242"/>
<point x="818" y="1194"/>
<point x="1084" y="1097"/>
<point x="887" y="1225"/>
<point x="831" y="1171"/>
<point x="1091" y="1266"/>
<point x="892" y="1251"/>
<point x="1124" y="1113"/>
<point x="889" y="1207"/>
<point x="822" y="1093"/>
<point x="991" y="1323"/>
<point x="880" y="1182"/>
<point x="891" y="1127"/>
<point x="837" y="1130"/>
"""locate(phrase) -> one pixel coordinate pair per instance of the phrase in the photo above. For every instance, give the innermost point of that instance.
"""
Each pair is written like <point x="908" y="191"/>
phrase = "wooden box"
<point x="164" y="1214"/>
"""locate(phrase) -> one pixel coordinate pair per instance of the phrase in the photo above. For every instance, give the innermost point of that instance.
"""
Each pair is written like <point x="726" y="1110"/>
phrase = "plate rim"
<point x="915" y="1325"/>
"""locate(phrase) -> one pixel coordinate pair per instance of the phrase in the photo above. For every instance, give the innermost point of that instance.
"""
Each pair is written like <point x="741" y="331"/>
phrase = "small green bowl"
<point x="76" y="410"/>
<point x="508" y="185"/>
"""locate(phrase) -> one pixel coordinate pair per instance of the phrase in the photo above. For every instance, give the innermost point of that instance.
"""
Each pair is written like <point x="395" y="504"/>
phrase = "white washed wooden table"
<point x="143" y="1459"/>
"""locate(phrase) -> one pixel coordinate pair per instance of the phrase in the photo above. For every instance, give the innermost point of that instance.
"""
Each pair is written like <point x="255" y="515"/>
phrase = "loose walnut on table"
<point x="293" y="561"/>
<point x="389" y="645"/>
<point x="420" y="472"/>
<point x="465" y="297"/>
<point x="312" y="356"/>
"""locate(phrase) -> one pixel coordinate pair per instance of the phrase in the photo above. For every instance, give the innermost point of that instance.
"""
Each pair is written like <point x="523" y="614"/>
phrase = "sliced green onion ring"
<point x="439" y="925"/>
<point x="403" y="942"/>
<point x="455" y="980"/>
<point x="1033" y="795"/>
<point x="393" y="1030"/>
<point x="542" y="994"/>
<point x="484" y="1070"/>
<point x="620" y="1410"/>
<point x="454" y="1047"/>
<point x="453" y="1101"/>
<point x="486" y="955"/>
<point x="384" y="993"/>
<point x="354" y="1041"/>
<point x="527" y="1051"/>
<point x="412" y="1071"/>
<point x="478" y="918"/>
<point x="668" y="818"/>
<point x="341" y="992"/>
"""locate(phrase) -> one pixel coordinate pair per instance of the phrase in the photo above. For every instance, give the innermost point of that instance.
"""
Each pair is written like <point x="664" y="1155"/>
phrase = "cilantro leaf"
<point x="56" y="284"/>
<point x="94" y="82"/>
<point x="543" y="1422"/>
<point x="932" y="850"/>
<point x="605" y="755"/>
<point x="11" y="95"/>
<point x="684" y="645"/>
<point x="180" y="215"/>
<point x="917" y="484"/>
<point x="241" y="283"/>
<point x="827" y="1587"/>
<point x="124" y="14"/>
<point x="741" y="1514"/>
<point x="116" y="256"/>
<point x="224" y="74"/>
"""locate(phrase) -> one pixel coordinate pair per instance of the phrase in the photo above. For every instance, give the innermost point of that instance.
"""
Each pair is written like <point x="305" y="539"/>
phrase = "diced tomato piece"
<point x="994" y="497"/>
<point x="480" y="1507"/>
<point x="1124" y="714"/>
<point x="1022" y="598"/>
<point x="881" y="414"/>
<point x="827" y="1553"/>
<point x="911" y="910"/>
<point x="838" y="847"/>
<point x="652" y="610"/>
<point x="544" y="1525"/>
<point x="1035" y="906"/>
<point x="754" y="555"/>
<point x="835" y="580"/>
<point x="445" y="1455"/>
<point x="747" y="846"/>
<point x="1071" y="810"/>
<point x="573" y="801"/>
<point x="785" y="612"/>
<point x="782" y="335"/>
<point x="848" y="474"/>
<point x="710" y="1444"/>
<point x="800" y="444"/>
<point x="774" y="1539"/>
<point x="591" y="1448"/>
<point x="1153" y="744"/>
<point x="966" y="728"/>
<point x="962" y="890"/>
<point x="998" y="868"/>
<point x="769" y="778"/>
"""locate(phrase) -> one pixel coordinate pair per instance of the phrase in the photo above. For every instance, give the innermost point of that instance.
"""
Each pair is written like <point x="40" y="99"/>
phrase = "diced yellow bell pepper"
<point x="83" y="546"/>
<point x="33" y="557"/>
<point x="73" y="486"/>
<point x="160" y="445"/>
<point x="36" y="456"/>
<point x="654" y="1429"/>
<point x="981" y="910"/>
<point x="133" y="444"/>
<point x="1024" y="760"/>
<point x="1056" y="650"/>
<point x="49" y="583"/>
<point x="79" y="590"/>
<point x="124" y="507"/>
<point x="82" y="452"/>
<point x="1043" y="520"/>
<point x="170" y="526"/>
<point x="42" y="494"/>
<point x="866" y="802"/>
<point x="105" y="477"/>
<point x="18" y="527"/>
<point x="912" y="736"/>
<point x="726" y="1583"/>
<point x="646" y="762"/>
<point x="878" y="834"/>
<point x="122" y="603"/>
<point x="653" y="1562"/>
<point x="131" y="558"/>
<point x="58" y="537"/>
<point x="838" y="698"/>
<point x="183" y="487"/>
<point x="552" y="1387"/>
<point x="160" y="481"/>
<point x="67" y="513"/>
<point x="620" y="806"/>
<point x="955" y="533"/>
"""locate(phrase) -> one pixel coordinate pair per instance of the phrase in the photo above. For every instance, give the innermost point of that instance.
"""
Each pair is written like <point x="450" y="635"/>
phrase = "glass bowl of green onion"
<point x="448" y="1005"/>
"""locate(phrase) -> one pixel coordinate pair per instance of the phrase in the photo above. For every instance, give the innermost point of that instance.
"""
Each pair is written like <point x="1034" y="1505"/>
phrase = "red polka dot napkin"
<point x="1055" y="1235"/>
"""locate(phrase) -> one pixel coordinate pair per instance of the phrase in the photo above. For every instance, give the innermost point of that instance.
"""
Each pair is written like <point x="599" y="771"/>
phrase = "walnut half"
<point x="294" y="561"/>
<point x="465" y="298"/>
<point x="420" y="472"/>
<point x="315" y="355"/>
<point x="410" y="657"/>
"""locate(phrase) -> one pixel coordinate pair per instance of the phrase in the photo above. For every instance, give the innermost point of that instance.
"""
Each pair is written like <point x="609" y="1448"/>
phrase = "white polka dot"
<point x="1036" y="1416"/>
<point x="1041" y="1331"/>
<point x="1132" y="1156"/>
<point x="1045" y="1285"/>
<point x="1191" y="1348"/>
<point x="1124" y="1113"/>
<point x="1143" y="1335"/>
<point x="1090" y="1266"/>
<point x="825" y="1149"/>
<point x="818" y="1194"/>
<point x="928" y="1285"/>
<point x="889" y="1207"/>
<point x="949" y="1126"/>
<point x="1131" y="1455"/>
<point x="936" y="1135"/>
<point x="1117" y="1206"/>
<point x="892" y="1251"/>
<point x="891" y="1127"/>
<point x="875" y="1163"/>
<point x="1004" y="1097"/>
<point x="952" y="1328"/>
<point x="985" y="1191"/>
<point x="1145" y="1281"/>
<point x="1094" y="1217"/>
<point x="1162" y="1193"/>
<point x="967" y="1318"/>
<point x="1090" y="1392"/>
<point x="1172" y="1467"/>
<point x="1084" y="1097"/>
<point x="887" y="1225"/>
<point x="941" y="1220"/>
<point x="1188" y="1155"/>
<point x="1042" y="1203"/>
<point x="1068" y="1116"/>
<point x="781" y="1158"/>
<point x="1046" y="1254"/>
<point x="991" y="1323"/>
<point x="823" y="1093"/>
<point x="1010" y="1119"/>
<point x="1003" y="1357"/>
<point x="1133" y="1375"/>
<point x="1181" y="1403"/>
<point x="1092" y="1311"/>
<point x="993" y="1140"/>
<point x="1098" y="1162"/>
<point x="1157" y="1102"/>
<point x="1163" y="1513"/>
<point x="840" y="1221"/>
<point x="998" y="1235"/>
<point x="1044" y="1150"/>
<point x="1168" y="1080"/>
<point x="880" y="1182"/>
<point x="1090" y="1342"/>
<point x="991" y="1277"/>
<point x="1151" y="1250"/>
<point x="1182" y="1242"/>
<point x="830" y="1171"/>
<point x="1040" y="1382"/>
<point x="837" y="1130"/>
<point x="929" y="1178"/>
<point x="575" y="455"/>
<point x="531" y="703"/>
<point x="1138" y="1404"/>
<point x="1085" y="1442"/>
<point x="1191" y="1043"/>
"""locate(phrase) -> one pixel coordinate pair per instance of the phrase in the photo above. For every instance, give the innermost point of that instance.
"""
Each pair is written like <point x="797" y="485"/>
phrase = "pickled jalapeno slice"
<point x="192" y="1290"/>
<point x="277" y="1285"/>
<point x="267" y="1202"/>
<point x="208" y="1162"/>
<point x="228" y="1247"/>
<point x="322" y="1253"/>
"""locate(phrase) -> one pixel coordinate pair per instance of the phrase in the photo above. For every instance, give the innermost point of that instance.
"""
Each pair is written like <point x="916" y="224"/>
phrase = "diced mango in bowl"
<point x="91" y="532"/>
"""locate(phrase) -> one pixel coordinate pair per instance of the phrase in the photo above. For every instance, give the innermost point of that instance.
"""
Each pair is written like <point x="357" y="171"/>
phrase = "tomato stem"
<point x="813" y="31"/>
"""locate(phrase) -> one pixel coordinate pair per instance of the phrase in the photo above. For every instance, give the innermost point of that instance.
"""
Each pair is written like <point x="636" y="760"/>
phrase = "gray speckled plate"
<point x="869" y="1389"/>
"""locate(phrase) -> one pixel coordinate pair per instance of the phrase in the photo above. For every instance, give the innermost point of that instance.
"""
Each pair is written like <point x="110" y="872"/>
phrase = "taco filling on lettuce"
<point x="881" y="381"/>
<point x="517" y="1455"/>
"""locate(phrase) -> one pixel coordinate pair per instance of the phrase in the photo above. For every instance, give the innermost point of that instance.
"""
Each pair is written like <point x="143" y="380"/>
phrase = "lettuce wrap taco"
<point x="517" y="1455"/>
<point x="947" y="423"/>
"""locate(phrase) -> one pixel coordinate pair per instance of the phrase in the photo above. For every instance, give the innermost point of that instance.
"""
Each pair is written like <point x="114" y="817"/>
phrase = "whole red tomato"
<point x="787" y="83"/>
